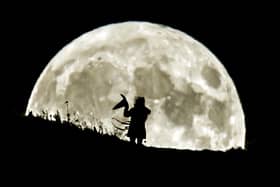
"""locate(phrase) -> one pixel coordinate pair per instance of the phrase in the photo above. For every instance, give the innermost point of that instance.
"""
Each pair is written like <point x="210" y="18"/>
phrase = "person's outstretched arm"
<point x="126" y="112"/>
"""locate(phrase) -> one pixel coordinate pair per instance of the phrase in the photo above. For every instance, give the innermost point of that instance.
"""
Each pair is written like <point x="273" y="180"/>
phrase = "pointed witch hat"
<point x="122" y="103"/>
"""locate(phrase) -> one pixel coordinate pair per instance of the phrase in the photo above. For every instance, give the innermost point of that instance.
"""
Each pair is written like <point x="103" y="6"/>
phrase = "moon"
<point x="193" y="100"/>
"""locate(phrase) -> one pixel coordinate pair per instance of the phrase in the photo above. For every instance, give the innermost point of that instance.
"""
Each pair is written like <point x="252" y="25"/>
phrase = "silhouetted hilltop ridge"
<point x="34" y="138"/>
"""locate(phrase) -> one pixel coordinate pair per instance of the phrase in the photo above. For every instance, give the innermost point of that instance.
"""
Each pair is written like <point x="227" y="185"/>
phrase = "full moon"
<point x="193" y="100"/>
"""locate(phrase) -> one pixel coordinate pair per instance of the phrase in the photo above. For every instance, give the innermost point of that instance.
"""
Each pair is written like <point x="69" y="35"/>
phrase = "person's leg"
<point x="132" y="140"/>
<point x="139" y="141"/>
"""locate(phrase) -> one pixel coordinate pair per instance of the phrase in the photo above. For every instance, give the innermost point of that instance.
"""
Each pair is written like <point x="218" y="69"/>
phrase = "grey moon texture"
<point x="193" y="100"/>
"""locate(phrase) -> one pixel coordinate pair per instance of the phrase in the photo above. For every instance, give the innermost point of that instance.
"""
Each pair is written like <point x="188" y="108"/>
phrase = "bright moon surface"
<point x="193" y="100"/>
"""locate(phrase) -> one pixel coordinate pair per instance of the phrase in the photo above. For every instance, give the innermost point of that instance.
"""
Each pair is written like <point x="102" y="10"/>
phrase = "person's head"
<point x="139" y="101"/>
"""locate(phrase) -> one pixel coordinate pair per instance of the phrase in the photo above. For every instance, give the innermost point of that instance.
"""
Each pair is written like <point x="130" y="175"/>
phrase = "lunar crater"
<point x="182" y="106"/>
<point x="211" y="76"/>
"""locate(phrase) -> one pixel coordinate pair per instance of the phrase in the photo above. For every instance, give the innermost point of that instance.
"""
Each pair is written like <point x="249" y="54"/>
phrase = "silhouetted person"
<point x="138" y="114"/>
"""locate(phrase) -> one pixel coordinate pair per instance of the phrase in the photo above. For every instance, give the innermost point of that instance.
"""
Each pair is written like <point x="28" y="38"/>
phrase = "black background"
<point x="235" y="33"/>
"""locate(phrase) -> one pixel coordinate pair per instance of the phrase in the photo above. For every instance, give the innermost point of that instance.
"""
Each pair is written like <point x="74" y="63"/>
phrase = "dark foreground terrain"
<point x="39" y="145"/>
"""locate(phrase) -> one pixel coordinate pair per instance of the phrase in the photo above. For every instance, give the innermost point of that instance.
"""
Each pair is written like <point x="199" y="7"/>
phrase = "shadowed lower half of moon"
<point x="193" y="100"/>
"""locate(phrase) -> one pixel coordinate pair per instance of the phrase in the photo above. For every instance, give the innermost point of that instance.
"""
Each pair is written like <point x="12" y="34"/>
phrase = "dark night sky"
<point x="37" y="32"/>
